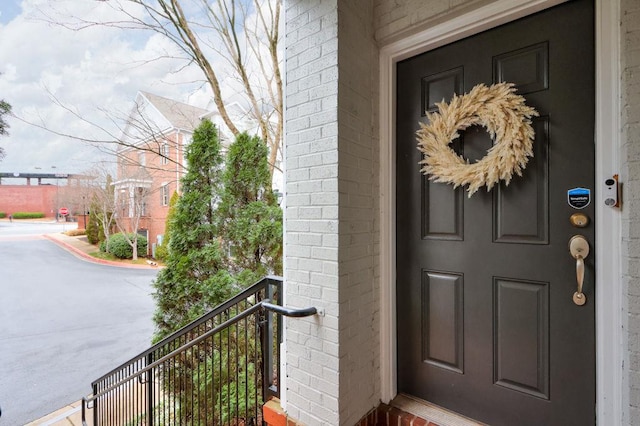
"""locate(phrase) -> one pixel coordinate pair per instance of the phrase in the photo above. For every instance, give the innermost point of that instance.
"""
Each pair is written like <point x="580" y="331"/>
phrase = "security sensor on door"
<point x="611" y="192"/>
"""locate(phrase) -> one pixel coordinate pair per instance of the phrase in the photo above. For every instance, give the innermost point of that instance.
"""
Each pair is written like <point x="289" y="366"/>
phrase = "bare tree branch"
<point x="243" y="33"/>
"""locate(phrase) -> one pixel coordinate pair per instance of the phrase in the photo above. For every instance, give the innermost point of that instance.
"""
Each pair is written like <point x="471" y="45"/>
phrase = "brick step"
<point x="404" y="410"/>
<point x="424" y="411"/>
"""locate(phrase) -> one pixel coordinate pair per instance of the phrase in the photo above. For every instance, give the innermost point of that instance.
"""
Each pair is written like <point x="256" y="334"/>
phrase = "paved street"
<point x="63" y="321"/>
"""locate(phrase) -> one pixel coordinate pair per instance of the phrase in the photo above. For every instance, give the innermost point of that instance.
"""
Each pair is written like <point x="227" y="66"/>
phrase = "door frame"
<point x="612" y="395"/>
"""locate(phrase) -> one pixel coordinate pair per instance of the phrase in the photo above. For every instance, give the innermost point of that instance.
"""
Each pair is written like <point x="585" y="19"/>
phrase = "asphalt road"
<point x="63" y="321"/>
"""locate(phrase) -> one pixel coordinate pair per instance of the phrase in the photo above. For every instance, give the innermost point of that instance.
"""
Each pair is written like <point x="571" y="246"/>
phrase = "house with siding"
<point x="515" y="305"/>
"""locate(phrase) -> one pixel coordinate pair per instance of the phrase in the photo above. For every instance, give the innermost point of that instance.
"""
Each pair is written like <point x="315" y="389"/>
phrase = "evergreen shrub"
<point x="120" y="247"/>
<point x="162" y="250"/>
<point x="28" y="215"/>
<point x="94" y="230"/>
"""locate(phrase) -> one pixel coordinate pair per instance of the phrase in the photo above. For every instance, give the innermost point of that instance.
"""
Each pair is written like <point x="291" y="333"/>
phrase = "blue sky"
<point x="77" y="82"/>
<point x="9" y="9"/>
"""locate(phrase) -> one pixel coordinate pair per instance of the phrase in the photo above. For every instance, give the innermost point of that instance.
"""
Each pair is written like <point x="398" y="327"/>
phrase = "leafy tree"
<point x="5" y="109"/>
<point x="250" y="218"/>
<point x="225" y="233"/>
<point x="195" y="278"/>
<point x="93" y="230"/>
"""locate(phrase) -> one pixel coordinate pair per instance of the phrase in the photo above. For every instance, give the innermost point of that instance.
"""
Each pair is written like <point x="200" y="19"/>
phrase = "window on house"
<point x="165" y="154"/>
<point x="164" y="194"/>
<point x="141" y="159"/>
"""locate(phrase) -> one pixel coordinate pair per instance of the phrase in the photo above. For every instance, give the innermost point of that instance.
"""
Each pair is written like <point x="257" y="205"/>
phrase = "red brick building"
<point x="151" y="162"/>
<point x="28" y="198"/>
<point x="44" y="193"/>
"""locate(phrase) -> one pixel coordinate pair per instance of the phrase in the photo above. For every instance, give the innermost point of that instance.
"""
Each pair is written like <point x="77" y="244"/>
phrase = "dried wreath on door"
<point x="507" y="119"/>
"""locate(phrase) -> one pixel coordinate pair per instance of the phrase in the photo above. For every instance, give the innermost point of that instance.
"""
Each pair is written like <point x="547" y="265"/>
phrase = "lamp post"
<point x="279" y="195"/>
<point x="84" y="212"/>
<point x="57" y="196"/>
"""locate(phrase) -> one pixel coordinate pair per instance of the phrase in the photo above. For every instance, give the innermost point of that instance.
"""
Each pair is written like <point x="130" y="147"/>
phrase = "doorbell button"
<point x="610" y="192"/>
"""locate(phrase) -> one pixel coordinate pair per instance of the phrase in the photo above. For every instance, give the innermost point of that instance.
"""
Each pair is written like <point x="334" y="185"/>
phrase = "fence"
<point x="218" y="370"/>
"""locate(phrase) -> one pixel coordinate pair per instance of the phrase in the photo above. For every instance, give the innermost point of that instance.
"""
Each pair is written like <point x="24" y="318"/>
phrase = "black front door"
<point x="487" y="325"/>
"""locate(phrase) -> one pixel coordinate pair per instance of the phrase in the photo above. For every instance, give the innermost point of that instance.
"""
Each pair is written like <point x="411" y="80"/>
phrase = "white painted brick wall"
<point x="331" y="211"/>
<point x="397" y="18"/>
<point x="358" y="175"/>
<point x="332" y="233"/>
<point x="630" y="157"/>
<point x="311" y="249"/>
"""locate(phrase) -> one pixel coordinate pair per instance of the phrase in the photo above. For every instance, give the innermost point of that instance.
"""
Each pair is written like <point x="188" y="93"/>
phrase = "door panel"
<point x="521" y="210"/>
<point x="521" y="336"/>
<point x="442" y="320"/>
<point x="486" y="322"/>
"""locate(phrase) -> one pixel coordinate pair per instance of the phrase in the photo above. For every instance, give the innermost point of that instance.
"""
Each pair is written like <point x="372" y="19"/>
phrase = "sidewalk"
<point x="71" y="415"/>
<point x="80" y="247"/>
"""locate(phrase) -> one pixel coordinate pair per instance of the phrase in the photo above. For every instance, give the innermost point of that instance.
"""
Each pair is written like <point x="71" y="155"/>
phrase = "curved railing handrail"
<point x="175" y="352"/>
<point x="283" y="310"/>
<point x="263" y="283"/>
<point x="289" y="312"/>
<point x="261" y="290"/>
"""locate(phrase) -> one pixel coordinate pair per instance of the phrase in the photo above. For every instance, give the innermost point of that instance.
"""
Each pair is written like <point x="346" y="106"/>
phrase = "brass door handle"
<point x="579" y="249"/>
<point x="580" y="272"/>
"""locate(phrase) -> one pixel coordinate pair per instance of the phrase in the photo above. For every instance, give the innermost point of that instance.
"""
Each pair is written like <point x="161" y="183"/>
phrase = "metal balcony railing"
<point x="218" y="370"/>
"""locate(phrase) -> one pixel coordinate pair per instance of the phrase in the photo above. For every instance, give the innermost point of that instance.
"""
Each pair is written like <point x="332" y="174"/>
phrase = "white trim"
<point x="611" y="392"/>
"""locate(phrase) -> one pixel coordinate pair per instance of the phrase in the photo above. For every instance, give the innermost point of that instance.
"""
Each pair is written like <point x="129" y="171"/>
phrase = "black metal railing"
<point x="218" y="370"/>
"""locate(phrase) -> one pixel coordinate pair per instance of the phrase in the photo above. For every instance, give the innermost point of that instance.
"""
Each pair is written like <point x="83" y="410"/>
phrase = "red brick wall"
<point x="160" y="174"/>
<point x="383" y="415"/>
<point x="28" y="198"/>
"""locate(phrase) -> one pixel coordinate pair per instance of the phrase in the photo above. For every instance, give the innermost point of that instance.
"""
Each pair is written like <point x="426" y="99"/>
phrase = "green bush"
<point x="3" y="215"/>
<point x="28" y="215"/>
<point x="162" y="252"/>
<point x="120" y="247"/>
<point x="95" y="228"/>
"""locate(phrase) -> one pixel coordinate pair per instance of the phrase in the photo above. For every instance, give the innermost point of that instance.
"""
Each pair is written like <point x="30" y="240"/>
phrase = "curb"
<point x="84" y="256"/>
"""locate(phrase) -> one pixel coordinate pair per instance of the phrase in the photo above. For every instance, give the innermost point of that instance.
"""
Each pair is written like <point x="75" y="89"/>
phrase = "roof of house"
<point x="180" y="115"/>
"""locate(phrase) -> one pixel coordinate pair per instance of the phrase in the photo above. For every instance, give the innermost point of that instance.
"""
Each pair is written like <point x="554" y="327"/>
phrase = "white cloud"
<point x="89" y="71"/>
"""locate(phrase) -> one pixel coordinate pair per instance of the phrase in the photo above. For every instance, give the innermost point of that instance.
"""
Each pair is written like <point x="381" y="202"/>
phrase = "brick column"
<point x="331" y="204"/>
